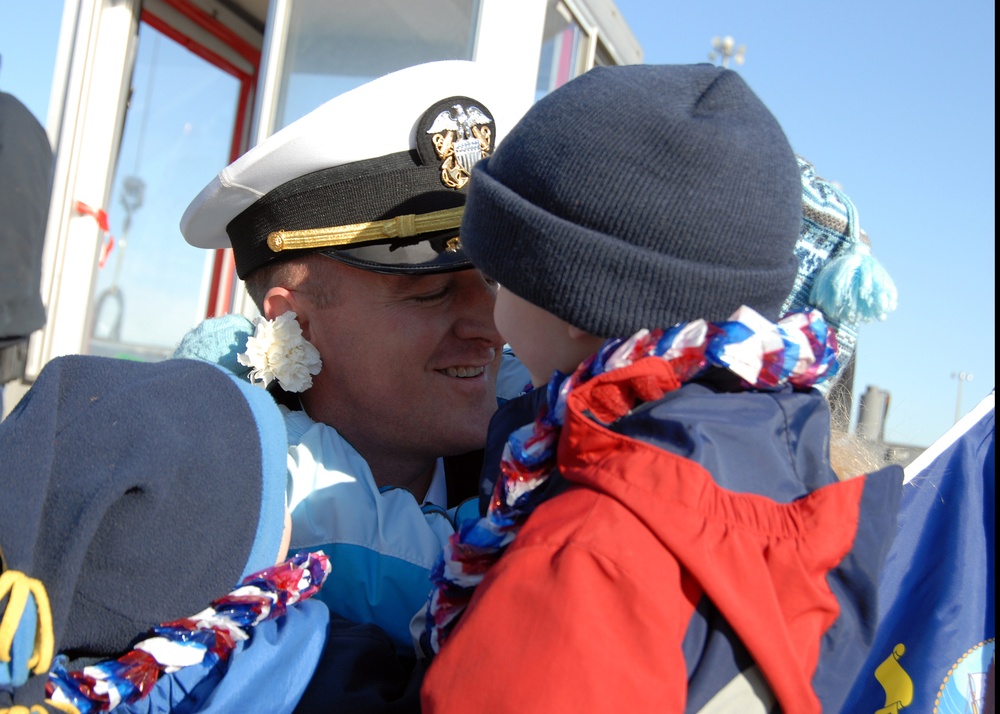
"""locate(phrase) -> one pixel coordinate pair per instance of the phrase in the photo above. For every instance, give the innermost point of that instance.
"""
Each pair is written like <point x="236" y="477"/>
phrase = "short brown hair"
<point x="298" y="274"/>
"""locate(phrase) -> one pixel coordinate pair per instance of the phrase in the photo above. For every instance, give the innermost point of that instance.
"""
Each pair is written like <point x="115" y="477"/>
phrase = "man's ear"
<point x="278" y="301"/>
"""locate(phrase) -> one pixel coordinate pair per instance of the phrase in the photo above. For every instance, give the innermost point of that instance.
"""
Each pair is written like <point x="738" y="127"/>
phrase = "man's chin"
<point x="465" y="440"/>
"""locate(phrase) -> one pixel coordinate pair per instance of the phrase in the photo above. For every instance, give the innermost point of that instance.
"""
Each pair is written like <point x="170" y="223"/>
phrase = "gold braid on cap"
<point x="399" y="227"/>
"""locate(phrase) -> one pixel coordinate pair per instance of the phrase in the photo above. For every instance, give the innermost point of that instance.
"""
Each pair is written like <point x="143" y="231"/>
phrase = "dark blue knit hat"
<point x="130" y="494"/>
<point x="640" y="196"/>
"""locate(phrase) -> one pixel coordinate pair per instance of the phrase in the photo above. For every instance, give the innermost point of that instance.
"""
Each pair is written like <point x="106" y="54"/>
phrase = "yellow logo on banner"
<point x="895" y="681"/>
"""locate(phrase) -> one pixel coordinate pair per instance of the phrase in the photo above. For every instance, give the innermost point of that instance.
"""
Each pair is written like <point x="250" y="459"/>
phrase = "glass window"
<point x="336" y="45"/>
<point x="602" y="57"/>
<point x="563" y="47"/>
<point x="150" y="289"/>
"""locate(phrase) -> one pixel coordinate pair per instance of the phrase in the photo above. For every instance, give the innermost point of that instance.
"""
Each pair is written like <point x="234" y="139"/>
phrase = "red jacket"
<point x="594" y="605"/>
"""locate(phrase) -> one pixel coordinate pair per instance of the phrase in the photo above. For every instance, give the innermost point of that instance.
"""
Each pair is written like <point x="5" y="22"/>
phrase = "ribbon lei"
<point x="206" y="638"/>
<point x="799" y="350"/>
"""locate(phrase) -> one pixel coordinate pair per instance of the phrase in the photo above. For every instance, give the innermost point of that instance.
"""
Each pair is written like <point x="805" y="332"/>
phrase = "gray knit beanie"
<point x="640" y="196"/>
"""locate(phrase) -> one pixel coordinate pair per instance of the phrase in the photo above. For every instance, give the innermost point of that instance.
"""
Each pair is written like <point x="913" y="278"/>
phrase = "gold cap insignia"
<point x="461" y="137"/>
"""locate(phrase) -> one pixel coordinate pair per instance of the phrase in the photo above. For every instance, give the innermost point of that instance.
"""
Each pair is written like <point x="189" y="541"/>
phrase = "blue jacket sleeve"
<point x="268" y="673"/>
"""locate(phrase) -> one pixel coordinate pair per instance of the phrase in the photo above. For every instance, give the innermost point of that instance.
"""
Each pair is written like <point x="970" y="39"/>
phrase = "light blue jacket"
<point x="381" y="543"/>
<point x="267" y="673"/>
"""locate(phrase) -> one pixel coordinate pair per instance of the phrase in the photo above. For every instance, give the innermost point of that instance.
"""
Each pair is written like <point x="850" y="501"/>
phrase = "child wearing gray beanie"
<point x="672" y="534"/>
<point x="139" y="535"/>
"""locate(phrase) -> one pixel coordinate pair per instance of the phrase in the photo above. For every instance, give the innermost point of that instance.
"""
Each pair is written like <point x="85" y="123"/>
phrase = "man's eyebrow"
<point x="405" y="284"/>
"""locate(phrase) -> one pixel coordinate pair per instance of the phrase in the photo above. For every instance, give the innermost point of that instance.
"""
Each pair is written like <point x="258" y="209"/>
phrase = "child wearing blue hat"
<point x="129" y="508"/>
<point x="673" y="536"/>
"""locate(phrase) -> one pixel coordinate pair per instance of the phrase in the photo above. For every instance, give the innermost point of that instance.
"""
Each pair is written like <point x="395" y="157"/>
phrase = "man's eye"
<point x="432" y="297"/>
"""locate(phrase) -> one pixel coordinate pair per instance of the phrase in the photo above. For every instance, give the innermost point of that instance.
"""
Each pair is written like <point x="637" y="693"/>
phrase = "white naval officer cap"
<point x="375" y="177"/>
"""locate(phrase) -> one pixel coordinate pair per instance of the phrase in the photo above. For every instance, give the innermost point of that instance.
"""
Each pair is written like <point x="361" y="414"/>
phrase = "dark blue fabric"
<point x="772" y="444"/>
<point x="713" y="654"/>
<point x="361" y="672"/>
<point x="937" y="592"/>
<point x="673" y="181"/>
<point x="855" y="583"/>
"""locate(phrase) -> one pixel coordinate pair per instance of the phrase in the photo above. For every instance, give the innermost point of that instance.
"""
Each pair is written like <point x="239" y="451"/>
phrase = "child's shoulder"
<point x="771" y="443"/>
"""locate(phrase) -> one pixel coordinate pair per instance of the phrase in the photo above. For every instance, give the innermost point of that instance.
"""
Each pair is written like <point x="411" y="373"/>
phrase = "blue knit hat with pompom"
<point x="837" y="272"/>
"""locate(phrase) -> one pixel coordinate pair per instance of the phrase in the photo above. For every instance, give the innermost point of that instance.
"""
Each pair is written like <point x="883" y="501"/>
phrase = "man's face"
<point x="409" y="362"/>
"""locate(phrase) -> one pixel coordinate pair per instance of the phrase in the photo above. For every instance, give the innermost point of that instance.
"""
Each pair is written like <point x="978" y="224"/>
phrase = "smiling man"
<point x="416" y="365"/>
<point x="344" y="225"/>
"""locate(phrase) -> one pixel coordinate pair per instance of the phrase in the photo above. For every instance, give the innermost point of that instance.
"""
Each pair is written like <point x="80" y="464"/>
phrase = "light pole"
<point x="961" y="377"/>
<point x="724" y="49"/>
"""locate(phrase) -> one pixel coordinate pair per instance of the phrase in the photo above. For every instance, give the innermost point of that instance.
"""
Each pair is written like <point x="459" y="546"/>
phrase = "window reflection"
<point x="336" y="45"/>
<point x="563" y="45"/>
<point x="178" y="131"/>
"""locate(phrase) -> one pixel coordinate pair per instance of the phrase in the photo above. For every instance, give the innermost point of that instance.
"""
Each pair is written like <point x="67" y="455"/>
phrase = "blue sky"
<point x="893" y="100"/>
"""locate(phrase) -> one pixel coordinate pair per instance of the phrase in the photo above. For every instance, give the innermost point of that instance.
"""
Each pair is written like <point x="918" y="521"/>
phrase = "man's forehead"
<point x="404" y="284"/>
<point x="359" y="279"/>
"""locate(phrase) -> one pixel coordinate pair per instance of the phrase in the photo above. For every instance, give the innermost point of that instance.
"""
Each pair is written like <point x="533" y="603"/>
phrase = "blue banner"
<point x="933" y="650"/>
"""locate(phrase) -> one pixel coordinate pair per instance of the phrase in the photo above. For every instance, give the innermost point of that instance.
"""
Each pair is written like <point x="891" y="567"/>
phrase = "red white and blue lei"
<point x="203" y="639"/>
<point x="799" y="350"/>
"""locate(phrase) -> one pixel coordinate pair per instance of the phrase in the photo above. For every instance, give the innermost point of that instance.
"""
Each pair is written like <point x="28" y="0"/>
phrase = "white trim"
<point x="92" y="110"/>
<point x="584" y="19"/>
<point x="509" y="38"/>
<point x="189" y="28"/>
<point x="951" y="436"/>
<point x="265" y="104"/>
<point x="747" y="693"/>
<point x="613" y="31"/>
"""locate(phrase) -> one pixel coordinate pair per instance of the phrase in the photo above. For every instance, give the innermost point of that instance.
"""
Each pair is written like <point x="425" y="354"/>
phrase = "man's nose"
<point x="476" y="306"/>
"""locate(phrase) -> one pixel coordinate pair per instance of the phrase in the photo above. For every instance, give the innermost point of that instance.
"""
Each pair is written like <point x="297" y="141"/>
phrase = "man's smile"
<point x="464" y="372"/>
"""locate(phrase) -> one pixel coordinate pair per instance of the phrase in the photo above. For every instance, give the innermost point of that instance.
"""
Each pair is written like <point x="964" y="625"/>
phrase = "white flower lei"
<point x="277" y="351"/>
